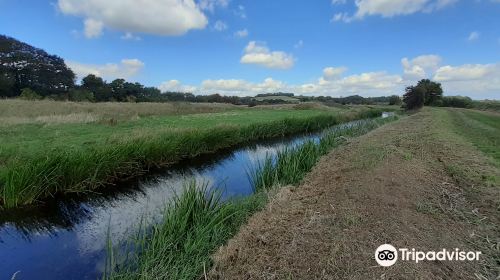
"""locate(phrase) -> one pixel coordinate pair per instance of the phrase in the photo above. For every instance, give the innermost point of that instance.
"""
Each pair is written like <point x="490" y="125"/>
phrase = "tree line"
<point x="31" y="73"/>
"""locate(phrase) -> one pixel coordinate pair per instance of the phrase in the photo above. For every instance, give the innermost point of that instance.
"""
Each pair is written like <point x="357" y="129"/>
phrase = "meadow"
<point x="48" y="149"/>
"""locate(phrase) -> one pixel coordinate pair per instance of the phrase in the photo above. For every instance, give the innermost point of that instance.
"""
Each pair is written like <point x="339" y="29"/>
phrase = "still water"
<point x="66" y="238"/>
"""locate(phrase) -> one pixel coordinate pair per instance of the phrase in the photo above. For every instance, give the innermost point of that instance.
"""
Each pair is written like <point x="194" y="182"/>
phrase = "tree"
<point x="394" y="100"/>
<point x="33" y="68"/>
<point x="414" y="97"/>
<point x="92" y="82"/>
<point x="7" y="84"/>
<point x="432" y="91"/>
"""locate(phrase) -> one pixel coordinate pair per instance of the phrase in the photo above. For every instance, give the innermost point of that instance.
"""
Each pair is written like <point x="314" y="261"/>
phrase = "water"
<point x="66" y="238"/>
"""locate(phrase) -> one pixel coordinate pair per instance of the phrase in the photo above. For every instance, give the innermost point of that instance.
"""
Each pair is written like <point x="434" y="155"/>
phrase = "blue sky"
<point x="330" y="47"/>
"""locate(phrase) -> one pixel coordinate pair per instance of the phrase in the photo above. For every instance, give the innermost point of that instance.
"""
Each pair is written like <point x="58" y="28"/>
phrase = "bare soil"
<point x="393" y="186"/>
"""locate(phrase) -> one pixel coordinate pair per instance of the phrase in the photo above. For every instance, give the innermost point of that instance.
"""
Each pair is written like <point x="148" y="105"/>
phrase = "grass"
<point x="180" y="247"/>
<point x="15" y="111"/>
<point x="481" y="129"/>
<point x="196" y="223"/>
<point x="292" y="164"/>
<point x="490" y="105"/>
<point x="38" y="161"/>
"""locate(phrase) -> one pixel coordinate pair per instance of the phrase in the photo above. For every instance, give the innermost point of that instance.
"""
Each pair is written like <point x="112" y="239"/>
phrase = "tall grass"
<point x="62" y="171"/>
<point x="197" y="222"/>
<point x="290" y="165"/>
<point x="194" y="224"/>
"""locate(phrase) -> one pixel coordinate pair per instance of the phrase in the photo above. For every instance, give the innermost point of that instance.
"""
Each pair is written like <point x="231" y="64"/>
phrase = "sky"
<point x="309" y="47"/>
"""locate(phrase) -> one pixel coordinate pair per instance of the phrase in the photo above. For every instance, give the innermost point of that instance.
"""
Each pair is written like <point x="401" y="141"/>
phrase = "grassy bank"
<point x="197" y="223"/>
<point x="42" y="160"/>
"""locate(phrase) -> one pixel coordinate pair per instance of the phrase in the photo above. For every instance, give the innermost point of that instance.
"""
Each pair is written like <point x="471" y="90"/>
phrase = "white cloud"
<point x="159" y="17"/>
<point x="475" y="80"/>
<point x="175" y="86"/>
<point x="299" y="44"/>
<point x="241" y="87"/>
<point x="333" y="73"/>
<point x="241" y="33"/>
<point x="241" y="12"/>
<point x="92" y="28"/>
<point x="220" y="25"/>
<point x="259" y="53"/>
<point x="473" y="36"/>
<point x="125" y="69"/>
<point x="420" y="67"/>
<point x="467" y="72"/>
<point x="210" y="5"/>
<point x="130" y="36"/>
<point x="390" y="8"/>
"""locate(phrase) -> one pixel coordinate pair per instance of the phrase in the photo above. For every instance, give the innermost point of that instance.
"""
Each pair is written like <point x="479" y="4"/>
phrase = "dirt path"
<point x="392" y="185"/>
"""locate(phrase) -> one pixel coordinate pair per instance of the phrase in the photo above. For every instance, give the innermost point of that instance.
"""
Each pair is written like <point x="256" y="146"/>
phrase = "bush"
<point x="394" y="100"/>
<point x="79" y="95"/>
<point x="457" y="101"/>
<point x="28" y="94"/>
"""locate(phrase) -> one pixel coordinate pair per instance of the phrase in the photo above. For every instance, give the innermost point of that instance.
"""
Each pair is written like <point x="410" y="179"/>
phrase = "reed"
<point x="179" y="247"/>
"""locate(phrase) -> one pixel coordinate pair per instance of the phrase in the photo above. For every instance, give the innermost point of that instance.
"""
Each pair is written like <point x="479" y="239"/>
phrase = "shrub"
<point x="29" y="94"/>
<point x="80" y="95"/>
<point x="457" y="101"/>
<point x="394" y="100"/>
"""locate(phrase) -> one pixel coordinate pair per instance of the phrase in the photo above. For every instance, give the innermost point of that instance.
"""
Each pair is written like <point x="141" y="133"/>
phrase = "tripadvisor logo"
<point x="387" y="255"/>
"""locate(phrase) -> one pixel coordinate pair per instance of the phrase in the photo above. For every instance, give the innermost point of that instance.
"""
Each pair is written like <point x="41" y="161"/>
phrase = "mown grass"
<point x="481" y="129"/>
<point x="196" y="223"/>
<point x="42" y="161"/>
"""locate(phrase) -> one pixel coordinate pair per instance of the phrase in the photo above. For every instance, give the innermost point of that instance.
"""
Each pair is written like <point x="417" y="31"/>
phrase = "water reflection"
<point x="66" y="237"/>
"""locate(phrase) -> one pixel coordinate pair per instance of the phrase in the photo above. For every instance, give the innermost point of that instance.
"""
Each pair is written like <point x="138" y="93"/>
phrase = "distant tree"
<point x="99" y="88"/>
<point x="92" y="82"/>
<point x="30" y="67"/>
<point x="414" y="97"/>
<point x="432" y="91"/>
<point x="394" y="100"/>
<point x="29" y="94"/>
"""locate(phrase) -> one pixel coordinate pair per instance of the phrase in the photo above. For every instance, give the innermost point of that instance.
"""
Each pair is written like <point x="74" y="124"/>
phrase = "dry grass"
<point x="14" y="112"/>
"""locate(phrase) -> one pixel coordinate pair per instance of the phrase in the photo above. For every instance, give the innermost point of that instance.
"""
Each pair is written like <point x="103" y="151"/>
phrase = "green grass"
<point x="196" y="223"/>
<point x="292" y="164"/>
<point x="193" y="226"/>
<point x="40" y="161"/>
<point x="490" y="105"/>
<point x="481" y="129"/>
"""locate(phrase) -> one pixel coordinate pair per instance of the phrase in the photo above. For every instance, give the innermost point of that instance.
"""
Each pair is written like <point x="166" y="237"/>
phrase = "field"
<point x="51" y="147"/>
